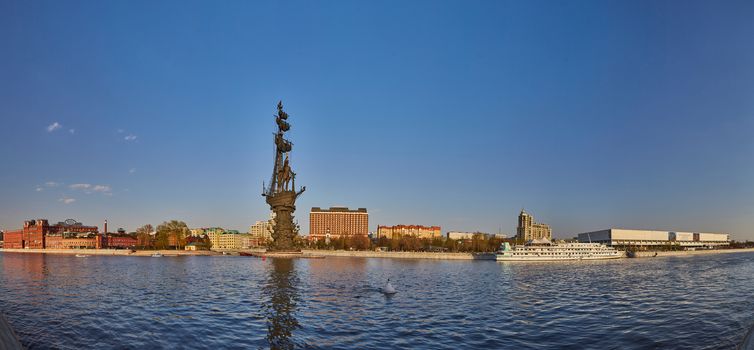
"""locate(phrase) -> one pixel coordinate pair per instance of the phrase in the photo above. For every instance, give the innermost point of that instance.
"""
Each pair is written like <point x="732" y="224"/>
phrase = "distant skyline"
<point x="588" y="114"/>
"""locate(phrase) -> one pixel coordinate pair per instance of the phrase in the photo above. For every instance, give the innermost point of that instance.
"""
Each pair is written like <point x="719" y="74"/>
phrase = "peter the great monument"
<point x="281" y="194"/>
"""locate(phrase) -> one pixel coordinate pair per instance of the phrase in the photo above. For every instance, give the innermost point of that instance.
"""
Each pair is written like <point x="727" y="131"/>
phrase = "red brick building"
<point x="337" y="222"/>
<point x="121" y="241"/>
<point x="36" y="233"/>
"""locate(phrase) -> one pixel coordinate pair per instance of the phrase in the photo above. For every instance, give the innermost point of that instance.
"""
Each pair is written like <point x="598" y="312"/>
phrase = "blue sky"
<point x="590" y="114"/>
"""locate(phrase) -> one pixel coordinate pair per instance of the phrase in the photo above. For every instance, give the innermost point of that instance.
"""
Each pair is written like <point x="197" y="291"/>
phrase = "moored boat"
<point x="544" y="250"/>
<point x="156" y="255"/>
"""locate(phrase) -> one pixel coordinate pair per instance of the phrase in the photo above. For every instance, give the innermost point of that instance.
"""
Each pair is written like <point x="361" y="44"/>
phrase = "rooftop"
<point x="339" y="209"/>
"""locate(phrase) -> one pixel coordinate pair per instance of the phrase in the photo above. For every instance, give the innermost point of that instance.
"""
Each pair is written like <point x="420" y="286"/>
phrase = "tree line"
<point x="172" y="234"/>
<point x="478" y="243"/>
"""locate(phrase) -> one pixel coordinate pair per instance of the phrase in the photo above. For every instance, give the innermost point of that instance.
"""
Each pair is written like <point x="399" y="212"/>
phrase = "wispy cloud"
<point x="72" y="131"/>
<point x="48" y="184"/>
<point x="101" y="188"/>
<point x="120" y="131"/>
<point x="54" y="126"/>
<point x="67" y="200"/>
<point x="89" y="188"/>
<point x="132" y="170"/>
<point x="80" y="186"/>
<point x="130" y="138"/>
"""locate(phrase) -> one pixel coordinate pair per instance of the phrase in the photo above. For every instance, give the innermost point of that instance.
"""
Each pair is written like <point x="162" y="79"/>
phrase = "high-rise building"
<point x="528" y="229"/>
<point x="337" y="222"/>
<point x="419" y="231"/>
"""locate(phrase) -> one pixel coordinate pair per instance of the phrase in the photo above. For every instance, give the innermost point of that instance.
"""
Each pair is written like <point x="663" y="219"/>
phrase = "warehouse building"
<point x="617" y="237"/>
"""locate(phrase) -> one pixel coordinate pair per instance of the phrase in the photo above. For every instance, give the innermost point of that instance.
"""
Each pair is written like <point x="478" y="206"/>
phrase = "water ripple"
<point x="63" y="302"/>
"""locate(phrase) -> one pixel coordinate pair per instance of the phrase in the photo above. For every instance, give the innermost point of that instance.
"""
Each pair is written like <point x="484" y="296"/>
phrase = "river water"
<point x="58" y="301"/>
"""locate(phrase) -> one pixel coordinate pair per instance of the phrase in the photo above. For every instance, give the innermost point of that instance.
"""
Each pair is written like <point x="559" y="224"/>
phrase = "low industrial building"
<point x="617" y="237"/>
<point x="121" y="241"/>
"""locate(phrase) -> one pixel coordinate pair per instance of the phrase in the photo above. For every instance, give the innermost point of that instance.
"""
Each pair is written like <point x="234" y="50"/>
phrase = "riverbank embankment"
<point x="345" y="253"/>
<point x="659" y="254"/>
<point x="8" y="338"/>
<point x="400" y="255"/>
<point x="491" y="256"/>
<point x="306" y="253"/>
<point x="122" y="252"/>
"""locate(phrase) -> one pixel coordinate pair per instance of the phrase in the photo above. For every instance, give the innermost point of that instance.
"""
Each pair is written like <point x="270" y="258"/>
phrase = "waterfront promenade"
<point x="121" y="252"/>
<point x="653" y="254"/>
<point x="400" y="255"/>
<point x="306" y="253"/>
<point x="491" y="256"/>
<point x="347" y="253"/>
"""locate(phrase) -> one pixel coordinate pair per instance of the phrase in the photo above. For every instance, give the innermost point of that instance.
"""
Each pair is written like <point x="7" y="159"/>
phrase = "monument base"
<point x="283" y="254"/>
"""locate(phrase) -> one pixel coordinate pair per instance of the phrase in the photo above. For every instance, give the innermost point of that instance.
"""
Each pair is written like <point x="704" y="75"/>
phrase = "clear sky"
<point x="589" y="114"/>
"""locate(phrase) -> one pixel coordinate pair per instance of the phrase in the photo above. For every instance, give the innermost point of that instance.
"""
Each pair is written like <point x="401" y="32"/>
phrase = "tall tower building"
<point x="337" y="222"/>
<point x="528" y="229"/>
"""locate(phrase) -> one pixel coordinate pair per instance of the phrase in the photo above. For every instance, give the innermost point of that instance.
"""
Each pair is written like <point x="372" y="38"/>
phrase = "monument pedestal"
<point x="281" y="194"/>
<point x="284" y="254"/>
<point x="283" y="205"/>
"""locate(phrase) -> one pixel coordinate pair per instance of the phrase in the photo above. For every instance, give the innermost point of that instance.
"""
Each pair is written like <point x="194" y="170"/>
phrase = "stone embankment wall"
<point x="8" y="338"/>
<point x="124" y="252"/>
<point x="650" y="254"/>
<point x="402" y="255"/>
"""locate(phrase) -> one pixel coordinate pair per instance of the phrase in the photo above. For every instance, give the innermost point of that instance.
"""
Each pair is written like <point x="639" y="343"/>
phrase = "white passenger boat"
<point x="156" y="255"/>
<point x="544" y="250"/>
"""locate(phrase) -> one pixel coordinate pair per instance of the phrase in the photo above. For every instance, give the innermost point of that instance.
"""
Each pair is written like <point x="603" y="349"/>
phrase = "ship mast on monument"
<point x="281" y="193"/>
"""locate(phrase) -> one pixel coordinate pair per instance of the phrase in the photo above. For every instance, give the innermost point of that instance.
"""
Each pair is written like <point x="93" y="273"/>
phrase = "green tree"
<point x="383" y="241"/>
<point x="143" y="236"/>
<point x="174" y="232"/>
<point x="207" y="242"/>
<point x="361" y="243"/>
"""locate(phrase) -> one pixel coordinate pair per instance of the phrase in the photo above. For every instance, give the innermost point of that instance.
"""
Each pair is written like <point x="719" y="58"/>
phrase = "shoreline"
<point x="399" y="255"/>
<point x="661" y="254"/>
<point x="306" y="253"/>
<point x="315" y="253"/>
<point x="113" y="252"/>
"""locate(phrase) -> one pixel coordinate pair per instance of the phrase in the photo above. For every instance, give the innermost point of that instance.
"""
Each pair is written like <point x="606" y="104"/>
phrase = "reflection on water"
<point x="115" y="302"/>
<point x="281" y="289"/>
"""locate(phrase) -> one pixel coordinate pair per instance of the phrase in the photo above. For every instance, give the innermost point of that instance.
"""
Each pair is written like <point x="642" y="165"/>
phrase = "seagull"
<point x="388" y="289"/>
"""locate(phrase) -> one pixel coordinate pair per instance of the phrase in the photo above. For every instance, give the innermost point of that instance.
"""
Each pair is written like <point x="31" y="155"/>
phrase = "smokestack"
<point x="105" y="226"/>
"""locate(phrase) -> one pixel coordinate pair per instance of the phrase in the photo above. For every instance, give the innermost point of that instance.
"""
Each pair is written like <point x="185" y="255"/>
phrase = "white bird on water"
<point x="388" y="289"/>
